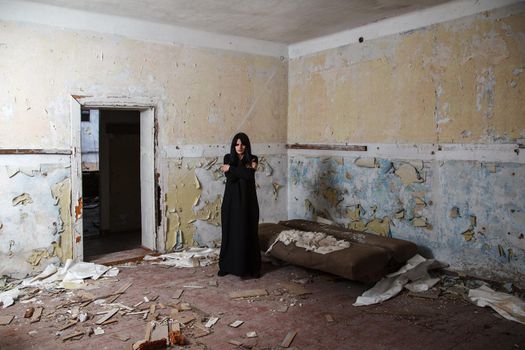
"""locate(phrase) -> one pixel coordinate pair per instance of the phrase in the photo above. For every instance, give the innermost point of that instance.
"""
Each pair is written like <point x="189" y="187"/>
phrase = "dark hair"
<point x="247" y="157"/>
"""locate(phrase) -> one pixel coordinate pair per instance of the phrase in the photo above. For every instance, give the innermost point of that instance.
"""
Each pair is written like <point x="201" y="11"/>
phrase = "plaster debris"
<point x="317" y="242"/>
<point x="236" y="324"/>
<point x="211" y="321"/>
<point x="8" y="297"/>
<point x="415" y="270"/>
<point x="6" y="320"/>
<point x="288" y="339"/>
<point x="23" y="199"/>
<point x="366" y="162"/>
<point x="408" y="174"/>
<point x="192" y="257"/>
<point x="508" y="306"/>
<point x="251" y="334"/>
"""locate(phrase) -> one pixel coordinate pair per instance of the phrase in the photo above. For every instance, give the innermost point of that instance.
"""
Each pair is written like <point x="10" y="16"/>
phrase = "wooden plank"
<point x="288" y="339"/>
<point x="106" y="317"/>
<point x="73" y="335"/>
<point x="69" y="324"/>
<point x="36" y="315"/>
<point x="325" y="147"/>
<point x="178" y="293"/>
<point x="34" y="151"/>
<point x="248" y="293"/>
<point x="5" y="320"/>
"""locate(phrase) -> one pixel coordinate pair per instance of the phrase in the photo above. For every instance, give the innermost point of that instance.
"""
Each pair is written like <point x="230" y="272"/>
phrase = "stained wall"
<point x="442" y="112"/>
<point x="201" y="96"/>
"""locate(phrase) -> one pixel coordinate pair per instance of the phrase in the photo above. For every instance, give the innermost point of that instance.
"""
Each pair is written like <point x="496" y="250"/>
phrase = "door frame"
<point x="148" y="161"/>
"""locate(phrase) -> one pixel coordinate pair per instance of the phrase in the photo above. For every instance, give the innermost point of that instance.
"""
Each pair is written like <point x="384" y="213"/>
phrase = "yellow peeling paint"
<point x="359" y="225"/>
<point x="183" y="191"/>
<point x="420" y="222"/>
<point x="408" y="174"/>
<point x="23" y="199"/>
<point x="355" y="214"/>
<point x="468" y="235"/>
<point x="62" y="194"/>
<point x="380" y="227"/>
<point x="400" y="214"/>
<point x="366" y="162"/>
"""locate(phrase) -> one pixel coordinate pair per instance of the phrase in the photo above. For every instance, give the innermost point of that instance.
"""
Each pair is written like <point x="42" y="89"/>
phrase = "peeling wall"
<point x="194" y="197"/>
<point x="34" y="212"/>
<point x="459" y="81"/>
<point x="468" y="214"/>
<point x="201" y="96"/>
<point x="447" y="103"/>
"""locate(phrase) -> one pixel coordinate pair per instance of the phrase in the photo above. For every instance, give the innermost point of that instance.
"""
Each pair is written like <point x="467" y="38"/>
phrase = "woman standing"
<point x="240" y="253"/>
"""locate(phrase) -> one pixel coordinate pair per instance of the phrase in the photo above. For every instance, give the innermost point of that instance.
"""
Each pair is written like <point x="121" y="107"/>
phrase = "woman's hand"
<point x="225" y="168"/>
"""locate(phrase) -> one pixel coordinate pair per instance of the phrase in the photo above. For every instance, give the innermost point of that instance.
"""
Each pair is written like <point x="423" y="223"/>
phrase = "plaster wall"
<point x="442" y="112"/>
<point x="201" y="96"/>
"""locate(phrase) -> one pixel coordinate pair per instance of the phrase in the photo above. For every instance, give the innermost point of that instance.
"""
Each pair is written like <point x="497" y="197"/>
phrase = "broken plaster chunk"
<point x="288" y="339"/>
<point x="23" y="199"/>
<point x="251" y="334"/>
<point x="236" y="323"/>
<point x="211" y="322"/>
<point x="408" y="174"/>
<point x="98" y="331"/>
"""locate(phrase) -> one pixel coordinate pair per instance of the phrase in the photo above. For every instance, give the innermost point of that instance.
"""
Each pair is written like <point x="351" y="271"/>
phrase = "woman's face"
<point x="239" y="148"/>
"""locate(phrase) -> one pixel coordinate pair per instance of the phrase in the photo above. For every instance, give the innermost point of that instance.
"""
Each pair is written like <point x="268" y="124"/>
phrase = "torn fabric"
<point x="317" y="242"/>
<point x="507" y="305"/>
<point x="415" y="270"/>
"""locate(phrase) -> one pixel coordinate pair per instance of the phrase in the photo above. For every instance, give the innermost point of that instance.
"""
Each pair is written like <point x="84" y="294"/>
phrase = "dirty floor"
<point x="317" y="306"/>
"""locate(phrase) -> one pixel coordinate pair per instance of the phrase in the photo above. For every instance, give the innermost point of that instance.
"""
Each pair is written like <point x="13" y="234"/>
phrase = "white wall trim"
<point x="399" y="24"/>
<point x="22" y="11"/>
<point x="499" y="153"/>
<point x="218" y="150"/>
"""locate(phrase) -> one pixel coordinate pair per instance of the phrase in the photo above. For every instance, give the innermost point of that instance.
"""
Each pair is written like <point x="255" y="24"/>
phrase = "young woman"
<point x="240" y="253"/>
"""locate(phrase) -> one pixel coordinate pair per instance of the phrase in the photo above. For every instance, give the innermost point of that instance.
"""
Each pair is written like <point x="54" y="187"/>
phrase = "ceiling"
<point x="280" y="21"/>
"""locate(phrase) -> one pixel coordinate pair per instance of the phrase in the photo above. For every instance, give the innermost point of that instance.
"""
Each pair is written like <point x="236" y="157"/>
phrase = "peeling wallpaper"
<point x="455" y="82"/>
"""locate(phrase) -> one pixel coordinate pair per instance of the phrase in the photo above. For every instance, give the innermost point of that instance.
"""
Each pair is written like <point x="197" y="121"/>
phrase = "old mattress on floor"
<point x="365" y="257"/>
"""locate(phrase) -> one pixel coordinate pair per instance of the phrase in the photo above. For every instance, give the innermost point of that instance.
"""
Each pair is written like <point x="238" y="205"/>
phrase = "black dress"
<point x="240" y="253"/>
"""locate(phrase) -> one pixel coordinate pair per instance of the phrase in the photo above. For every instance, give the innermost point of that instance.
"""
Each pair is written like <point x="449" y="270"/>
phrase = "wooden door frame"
<point x="147" y="108"/>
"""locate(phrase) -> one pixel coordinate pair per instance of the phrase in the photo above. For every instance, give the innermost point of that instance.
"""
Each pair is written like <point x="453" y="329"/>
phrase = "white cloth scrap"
<point x="317" y="242"/>
<point x="507" y="305"/>
<point x="415" y="271"/>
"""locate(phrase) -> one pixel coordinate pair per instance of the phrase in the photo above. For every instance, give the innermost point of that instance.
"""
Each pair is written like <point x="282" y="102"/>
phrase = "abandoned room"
<point x="390" y="180"/>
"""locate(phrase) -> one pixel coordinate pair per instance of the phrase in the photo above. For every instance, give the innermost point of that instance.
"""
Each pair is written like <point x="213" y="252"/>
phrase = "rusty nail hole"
<point x="361" y="39"/>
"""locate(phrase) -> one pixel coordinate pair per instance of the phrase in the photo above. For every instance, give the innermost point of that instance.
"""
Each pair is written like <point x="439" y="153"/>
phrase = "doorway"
<point x="111" y="166"/>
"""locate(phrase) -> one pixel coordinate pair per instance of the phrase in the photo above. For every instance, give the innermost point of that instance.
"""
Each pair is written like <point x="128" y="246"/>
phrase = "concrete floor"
<point x="404" y="322"/>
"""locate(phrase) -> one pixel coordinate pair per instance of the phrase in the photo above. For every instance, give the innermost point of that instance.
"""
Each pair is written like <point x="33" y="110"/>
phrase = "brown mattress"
<point x="368" y="259"/>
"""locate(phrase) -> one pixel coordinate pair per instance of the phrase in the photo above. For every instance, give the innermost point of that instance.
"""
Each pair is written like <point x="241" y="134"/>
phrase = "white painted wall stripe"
<point x="414" y="20"/>
<point x="22" y="11"/>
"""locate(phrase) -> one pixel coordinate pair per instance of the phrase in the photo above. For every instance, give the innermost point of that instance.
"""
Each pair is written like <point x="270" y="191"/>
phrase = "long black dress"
<point x="240" y="253"/>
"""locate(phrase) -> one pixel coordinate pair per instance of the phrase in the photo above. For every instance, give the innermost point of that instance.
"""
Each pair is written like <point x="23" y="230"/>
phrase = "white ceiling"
<point x="279" y="21"/>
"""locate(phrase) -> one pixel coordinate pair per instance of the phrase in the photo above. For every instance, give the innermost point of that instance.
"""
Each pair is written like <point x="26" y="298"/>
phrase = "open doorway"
<point x="111" y="186"/>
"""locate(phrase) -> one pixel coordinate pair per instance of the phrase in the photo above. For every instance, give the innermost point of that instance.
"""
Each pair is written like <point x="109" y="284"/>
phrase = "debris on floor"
<point x="415" y="271"/>
<point x="192" y="257"/>
<point x="508" y="306"/>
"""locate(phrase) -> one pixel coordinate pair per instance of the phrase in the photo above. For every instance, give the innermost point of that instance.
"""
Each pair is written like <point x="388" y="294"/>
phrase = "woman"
<point x="240" y="253"/>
